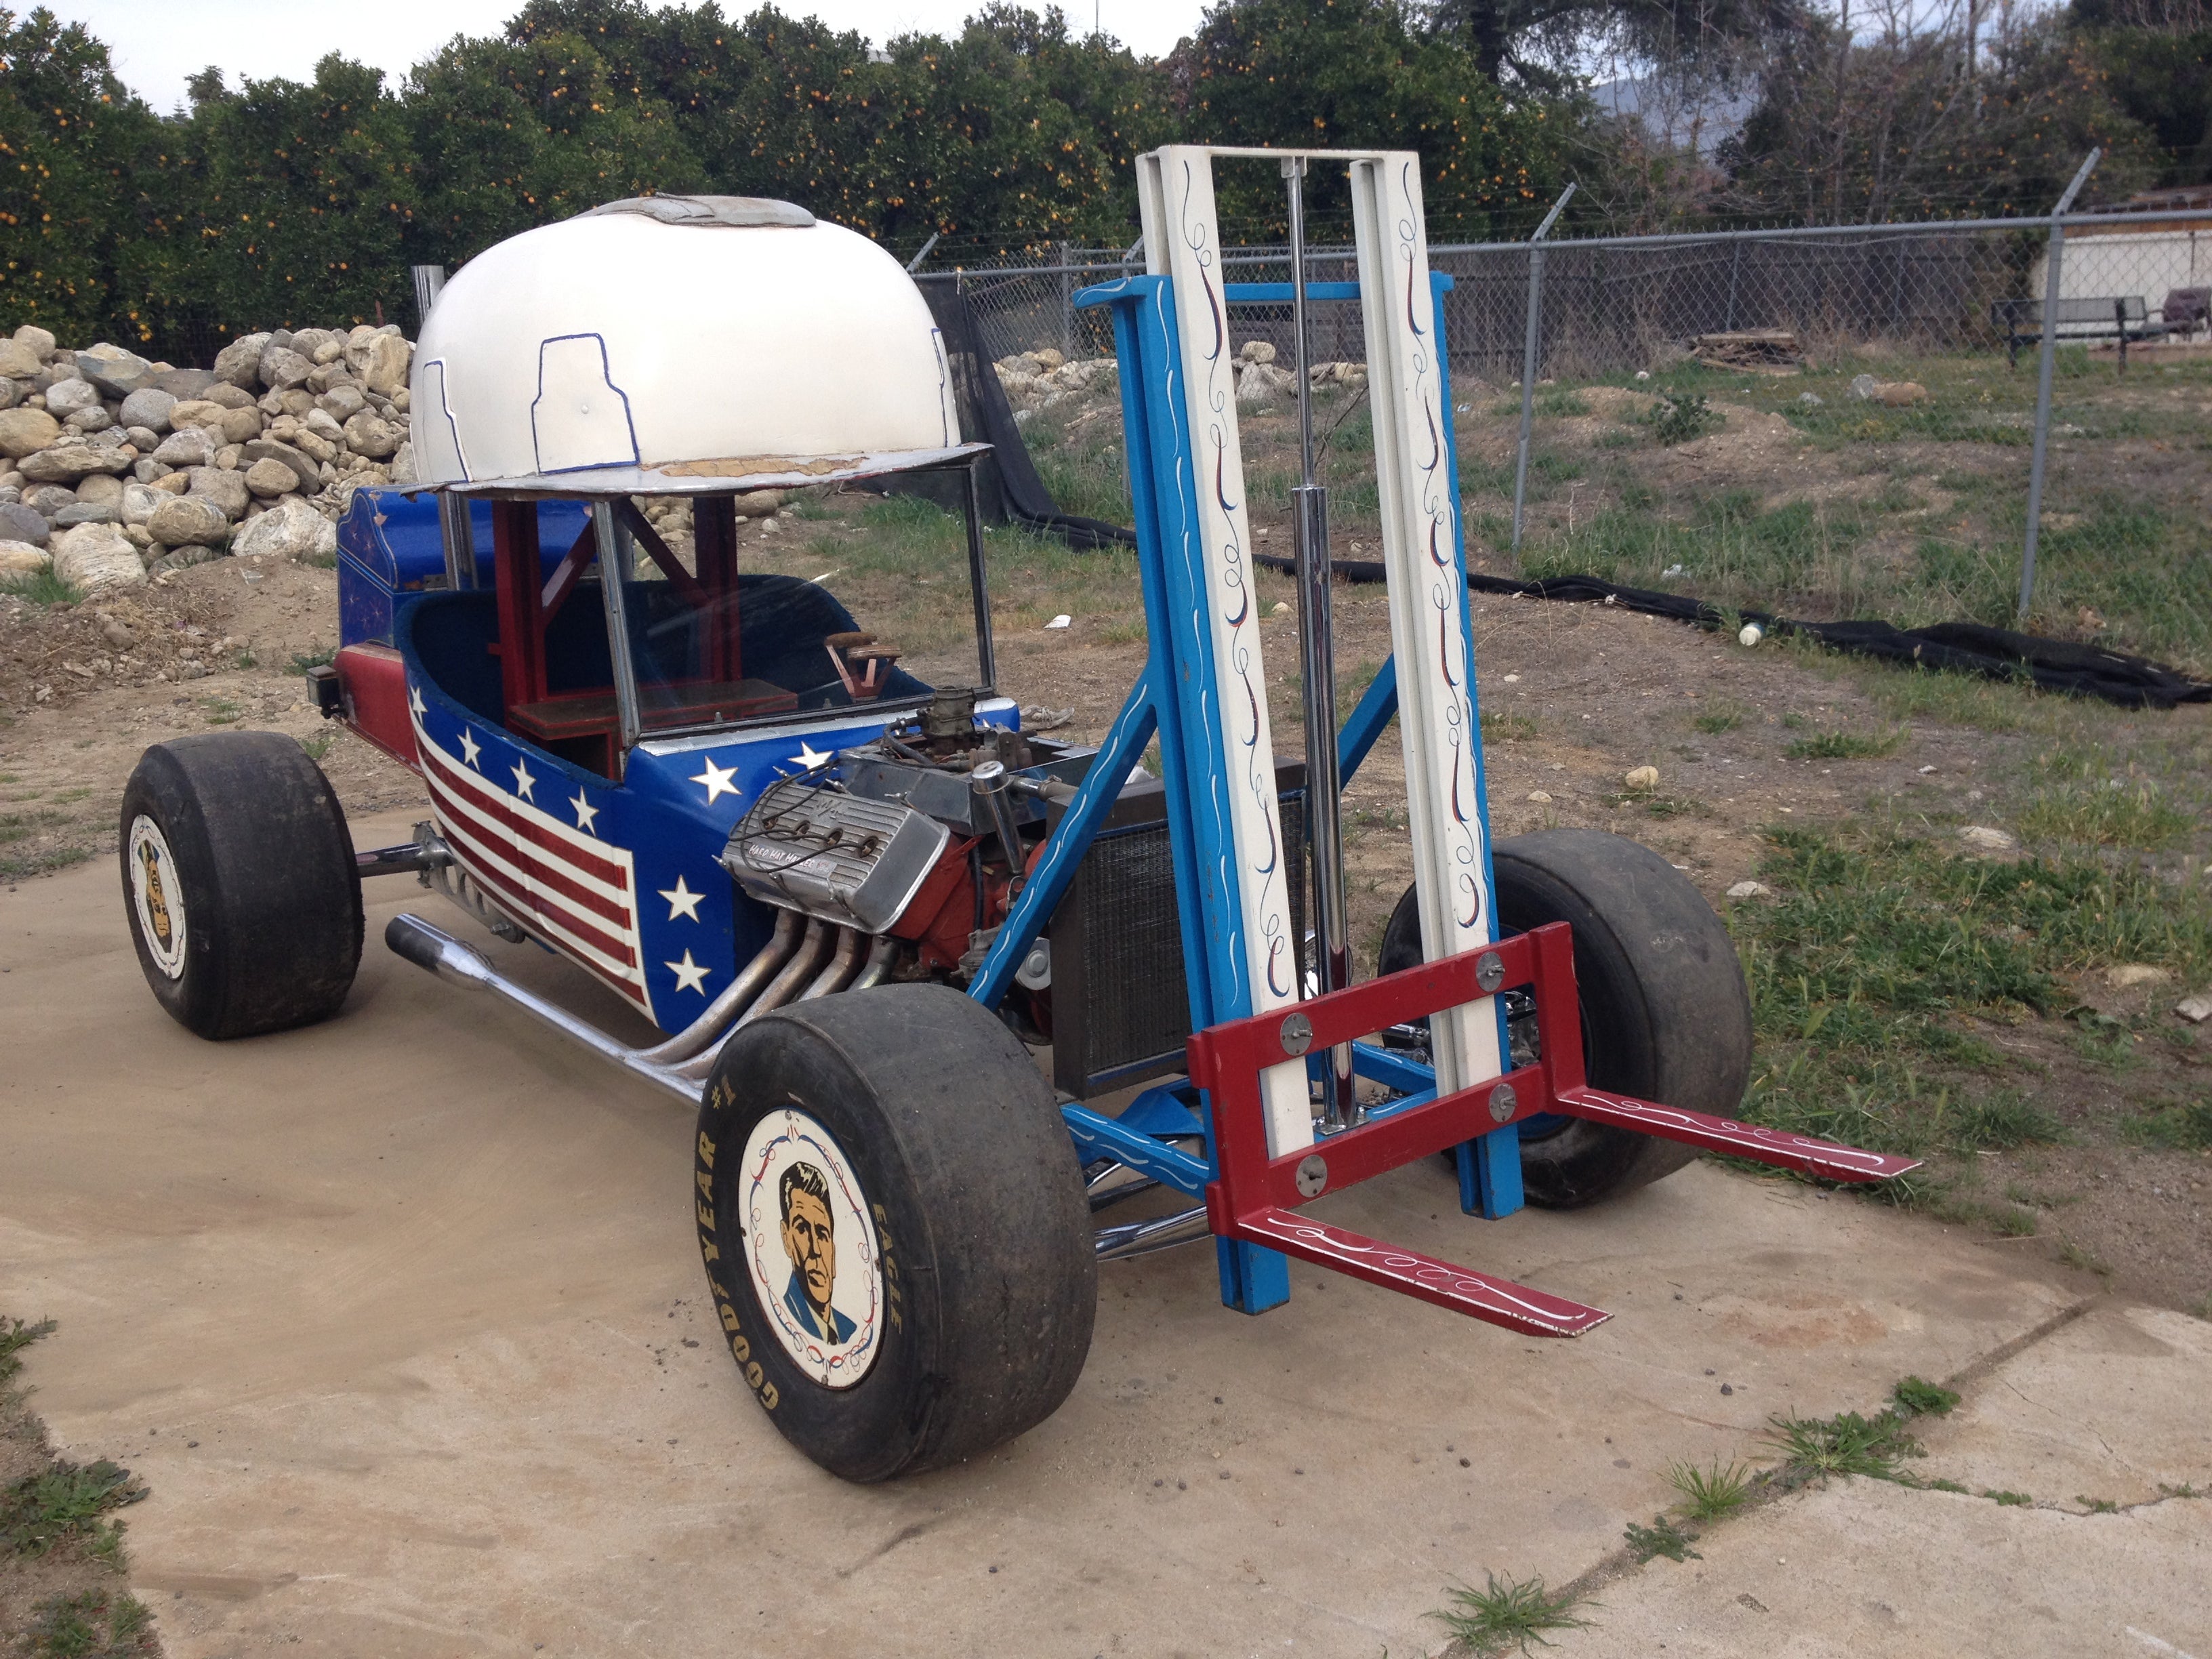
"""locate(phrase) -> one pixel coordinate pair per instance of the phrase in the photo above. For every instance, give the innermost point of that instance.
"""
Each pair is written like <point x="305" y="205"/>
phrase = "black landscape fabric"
<point x="1006" y="481"/>
<point x="2082" y="671"/>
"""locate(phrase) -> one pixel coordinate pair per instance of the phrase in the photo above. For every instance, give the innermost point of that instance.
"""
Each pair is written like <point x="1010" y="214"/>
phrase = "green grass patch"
<point x="1507" y="1613"/>
<point x="302" y="661"/>
<point x="2010" y="1500"/>
<point x="39" y="864"/>
<point x="2181" y="1126"/>
<point x="99" y="1623"/>
<point x="1882" y="953"/>
<point x="42" y="587"/>
<point x="1711" y="1492"/>
<point x="1848" y="745"/>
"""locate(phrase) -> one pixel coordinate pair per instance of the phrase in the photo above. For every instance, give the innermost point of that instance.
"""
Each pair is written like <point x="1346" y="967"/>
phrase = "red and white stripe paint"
<point x="571" y="888"/>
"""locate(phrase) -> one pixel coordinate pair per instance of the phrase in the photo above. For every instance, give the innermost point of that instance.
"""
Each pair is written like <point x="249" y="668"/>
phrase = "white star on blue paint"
<point x="690" y="976"/>
<point x="523" y="781"/>
<point x="681" y="901"/>
<point x="415" y="698"/>
<point x="584" y="813"/>
<point x="717" y="781"/>
<point x="470" y="748"/>
<point x="810" y="757"/>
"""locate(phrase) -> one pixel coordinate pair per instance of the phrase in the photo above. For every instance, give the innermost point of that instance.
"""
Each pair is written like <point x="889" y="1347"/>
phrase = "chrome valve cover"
<point x="844" y="858"/>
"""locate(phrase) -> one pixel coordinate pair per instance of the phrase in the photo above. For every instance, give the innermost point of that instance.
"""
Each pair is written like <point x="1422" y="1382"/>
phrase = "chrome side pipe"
<point x="736" y="997"/>
<point x="425" y="946"/>
<point x="416" y="856"/>
<point x="1119" y="1244"/>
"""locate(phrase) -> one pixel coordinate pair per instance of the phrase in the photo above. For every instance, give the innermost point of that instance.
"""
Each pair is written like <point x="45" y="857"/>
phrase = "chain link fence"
<point x="1835" y="422"/>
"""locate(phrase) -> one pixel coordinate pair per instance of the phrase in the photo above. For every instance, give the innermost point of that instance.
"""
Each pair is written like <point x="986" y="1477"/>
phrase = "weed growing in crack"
<point x="1713" y="1492"/>
<point x="1507" y="1613"/>
<point x="2010" y="1500"/>
<point x="1919" y="1398"/>
<point x="1814" y="1448"/>
<point x="1662" y="1537"/>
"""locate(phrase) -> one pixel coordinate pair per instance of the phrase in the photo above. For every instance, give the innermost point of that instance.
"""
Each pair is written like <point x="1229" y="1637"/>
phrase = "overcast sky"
<point x="157" y="43"/>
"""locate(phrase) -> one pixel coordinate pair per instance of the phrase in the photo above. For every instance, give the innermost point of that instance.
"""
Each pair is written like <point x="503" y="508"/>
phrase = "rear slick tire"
<point x="239" y="883"/>
<point x="894" y="1227"/>
<point x="1665" y="1014"/>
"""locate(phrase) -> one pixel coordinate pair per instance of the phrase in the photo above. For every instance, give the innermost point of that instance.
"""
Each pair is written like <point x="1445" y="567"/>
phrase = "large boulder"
<point x="19" y="523"/>
<point x="282" y="368"/>
<point x="238" y="364"/>
<point x="187" y="520"/>
<point x="270" y="477"/>
<point x="149" y="407"/>
<point x="290" y="530"/>
<point x="186" y="382"/>
<point x="268" y="449"/>
<point x="372" y="435"/>
<point x="77" y="513"/>
<point x="99" y="487"/>
<point x="223" y="395"/>
<point x="240" y="424"/>
<point x="18" y="361"/>
<point x="227" y="491"/>
<point x="139" y="502"/>
<point x="383" y="365"/>
<point x="98" y="558"/>
<point x="65" y="463"/>
<point x="22" y="559"/>
<point x="188" y="446"/>
<point x="66" y="397"/>
<point x="37" y="341"/>
<point x="341" y="403"/>
<point x="23" y="431"/>
<point x="116" y="372"/>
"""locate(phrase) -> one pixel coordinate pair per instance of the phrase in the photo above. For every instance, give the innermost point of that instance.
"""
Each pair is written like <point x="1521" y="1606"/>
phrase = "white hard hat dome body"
<point x="683" y="344"/>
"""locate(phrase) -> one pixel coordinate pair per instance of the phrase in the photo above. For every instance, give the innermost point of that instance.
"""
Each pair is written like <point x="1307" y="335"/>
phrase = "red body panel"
<point x="375" y="681"/>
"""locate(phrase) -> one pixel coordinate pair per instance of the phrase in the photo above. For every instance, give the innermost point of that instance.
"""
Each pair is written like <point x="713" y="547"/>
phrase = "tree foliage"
<point x="277" y="203"/>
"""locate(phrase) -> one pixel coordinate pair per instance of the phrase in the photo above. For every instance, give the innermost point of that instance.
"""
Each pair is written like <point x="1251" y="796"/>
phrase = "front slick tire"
<point x="895" y="1229"/>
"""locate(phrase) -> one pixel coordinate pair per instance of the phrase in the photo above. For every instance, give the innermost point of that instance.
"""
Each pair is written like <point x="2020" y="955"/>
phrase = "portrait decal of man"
<point x="810" y="1239"/>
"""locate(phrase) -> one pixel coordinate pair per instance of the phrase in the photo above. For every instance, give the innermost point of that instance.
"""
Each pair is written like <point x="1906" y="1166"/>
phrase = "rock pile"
<point x="113" y="469"/>
<point x="1036" y="381"/>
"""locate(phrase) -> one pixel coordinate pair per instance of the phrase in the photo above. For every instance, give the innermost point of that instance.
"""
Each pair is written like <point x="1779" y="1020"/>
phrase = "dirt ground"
<point x="1574" y="697"/>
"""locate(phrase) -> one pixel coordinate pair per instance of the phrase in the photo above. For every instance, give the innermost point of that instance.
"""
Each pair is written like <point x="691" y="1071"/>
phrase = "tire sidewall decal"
<point x="795" y="1185"/>
<point x="157" y="896"/>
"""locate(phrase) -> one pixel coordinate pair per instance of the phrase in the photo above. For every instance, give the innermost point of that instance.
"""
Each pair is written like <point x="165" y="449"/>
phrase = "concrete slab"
<point x="395" y="1317"/>
<point x="2111" y="1408"/>
<point x="1867" y="1570"/>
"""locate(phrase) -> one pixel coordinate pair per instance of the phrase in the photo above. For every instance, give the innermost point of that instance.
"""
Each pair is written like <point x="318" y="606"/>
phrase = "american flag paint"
<point x="556" y="879"/>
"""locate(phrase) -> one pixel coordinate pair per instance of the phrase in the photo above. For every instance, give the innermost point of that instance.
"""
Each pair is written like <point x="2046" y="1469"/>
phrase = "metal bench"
<point x="2122" y="317"/>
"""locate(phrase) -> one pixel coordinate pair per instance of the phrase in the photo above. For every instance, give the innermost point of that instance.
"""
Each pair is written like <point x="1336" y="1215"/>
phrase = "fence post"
<point x="1529" y="358"/>
<point x="429" y="282"/>
<point x="2042" y="373"/>
<point x="1066" y="303"/>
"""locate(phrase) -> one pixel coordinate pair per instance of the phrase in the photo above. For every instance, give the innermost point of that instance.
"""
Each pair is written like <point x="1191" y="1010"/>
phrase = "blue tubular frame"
<point x="1175" y="700"/>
